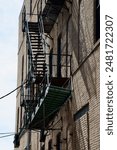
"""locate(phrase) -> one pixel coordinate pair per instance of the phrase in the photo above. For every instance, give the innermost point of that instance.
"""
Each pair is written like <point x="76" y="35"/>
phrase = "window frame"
<point x="96" y="20"/>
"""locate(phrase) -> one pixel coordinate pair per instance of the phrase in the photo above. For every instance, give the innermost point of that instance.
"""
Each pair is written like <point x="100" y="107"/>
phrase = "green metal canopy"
<point x="54" y="99"/>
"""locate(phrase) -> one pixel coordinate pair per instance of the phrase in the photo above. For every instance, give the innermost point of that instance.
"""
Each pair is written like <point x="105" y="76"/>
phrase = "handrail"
<point x="31" y="64"/>
<point x="44" y="45"/>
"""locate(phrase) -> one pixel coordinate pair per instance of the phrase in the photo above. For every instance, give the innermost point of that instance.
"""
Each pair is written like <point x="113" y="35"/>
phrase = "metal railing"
<point x="31" y="65"/>
<point x="41" y="30"/>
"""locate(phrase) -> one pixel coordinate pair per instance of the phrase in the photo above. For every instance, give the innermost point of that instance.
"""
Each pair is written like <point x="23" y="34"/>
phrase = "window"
<point x="59" y="56"/>
<point x="20" y="117"/>
<point x="17" y="120"/>
<point x="50" y="145"/>
<point x="50" y="61"/>
<point x="97" y="20"/>
<point x="58" y="142"/>
<point x="30" y="7"/>
<point x="23" y="19"/>
<point x="22" y="68"/>
<point x="43" y="147"/>
<point x="81" y="134"/>
<point x="22" y="91"/>
<point x="81" y="112"/>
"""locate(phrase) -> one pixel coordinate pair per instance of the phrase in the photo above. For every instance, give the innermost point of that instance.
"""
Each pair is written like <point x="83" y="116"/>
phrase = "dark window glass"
<point x="58" y="142"/>
<point x="50" y="145"/>
<point x="50" y="62"/>
<point x="30" y="7"/>
<point x="43" y="147"/>
<point x="17" y="119"/>
<point x="59" y="57"/>
<point x="23" y="19"/>
<point x="97" y="23"/>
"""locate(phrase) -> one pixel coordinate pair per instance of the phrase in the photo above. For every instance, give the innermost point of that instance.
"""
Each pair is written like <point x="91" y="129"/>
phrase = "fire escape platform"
<point x="54" y="99"/>
<point x="50" y="13"/>
<point x="54" y="81"/>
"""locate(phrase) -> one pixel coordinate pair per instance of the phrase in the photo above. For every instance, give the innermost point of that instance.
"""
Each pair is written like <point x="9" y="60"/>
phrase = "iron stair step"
<point x="34" y="41"/>
<point x="41" y="70"/>
<point x="38" y="39"/>
<point x="35" y="38"/>
<point x="38" y="61"/>
<point x="40" y="75"/>
<point x="37" y="57"/>
<point x="32" y="26"/>
<point x="33" y="47"/>
<point x="40" y="64"/>
<point x="37" y="47"/>
<point x="35" y="53"/>
<point x="33" y="33"/>
<point x="38" y="54"/>
<point x="33" y="29"/>
<point x="32" y="23"/>
<point x="38" y="51"/>
<point x="41" y="67"/>
<point x="38" y="72"/>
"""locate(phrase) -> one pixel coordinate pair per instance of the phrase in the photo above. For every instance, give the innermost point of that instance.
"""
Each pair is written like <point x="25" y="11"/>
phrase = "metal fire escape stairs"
<point x="49" y="96"/>
<point x="43" y="95"/>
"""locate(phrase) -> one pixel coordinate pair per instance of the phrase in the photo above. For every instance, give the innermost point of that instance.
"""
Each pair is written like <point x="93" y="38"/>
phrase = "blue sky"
<point x="9" y="13"/>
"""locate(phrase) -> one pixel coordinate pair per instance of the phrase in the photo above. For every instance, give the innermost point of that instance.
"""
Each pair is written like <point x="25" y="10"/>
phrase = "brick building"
<point x="58" y="74"/>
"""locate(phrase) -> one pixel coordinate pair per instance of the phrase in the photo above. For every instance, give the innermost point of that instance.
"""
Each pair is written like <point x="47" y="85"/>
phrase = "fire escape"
<point x="44" y="92"/>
